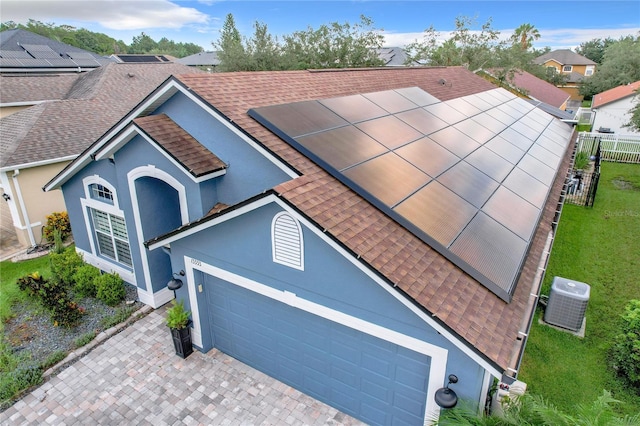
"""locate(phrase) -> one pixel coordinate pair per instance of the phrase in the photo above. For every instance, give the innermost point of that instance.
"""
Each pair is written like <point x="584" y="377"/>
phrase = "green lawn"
<point x="601" y="247"/>
<point x="9" y="291"/>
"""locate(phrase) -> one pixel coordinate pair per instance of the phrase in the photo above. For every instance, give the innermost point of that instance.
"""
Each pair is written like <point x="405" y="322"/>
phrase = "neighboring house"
<point x="393" y="56"/>
<point x="357" y="234"/>
<point x="140" y="58"/>
<point x="574" y="66"/>
<point x="612" y="108"/>
<point x="22" y="52"/>
<point x="39" y="141"/>
<point x="540" y="93"/>
<point x="207" y="61"/>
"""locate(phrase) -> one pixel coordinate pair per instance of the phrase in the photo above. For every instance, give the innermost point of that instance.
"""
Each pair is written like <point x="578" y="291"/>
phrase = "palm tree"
<point x="524" y="35"/>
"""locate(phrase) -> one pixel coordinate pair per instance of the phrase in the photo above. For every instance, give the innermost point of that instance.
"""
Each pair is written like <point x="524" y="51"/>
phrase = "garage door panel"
<point x="366" y="377"/>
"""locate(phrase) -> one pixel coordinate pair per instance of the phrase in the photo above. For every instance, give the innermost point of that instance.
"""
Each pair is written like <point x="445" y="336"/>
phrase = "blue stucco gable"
<point x="155" y="193"/>
<point x="242" y="246"/>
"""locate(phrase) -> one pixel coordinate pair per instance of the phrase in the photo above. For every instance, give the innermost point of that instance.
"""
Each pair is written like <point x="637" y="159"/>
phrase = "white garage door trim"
<point x="437" y="368"/>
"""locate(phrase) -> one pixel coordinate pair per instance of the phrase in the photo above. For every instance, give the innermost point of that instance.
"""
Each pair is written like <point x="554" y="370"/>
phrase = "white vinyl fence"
<point x="613" y="146"/>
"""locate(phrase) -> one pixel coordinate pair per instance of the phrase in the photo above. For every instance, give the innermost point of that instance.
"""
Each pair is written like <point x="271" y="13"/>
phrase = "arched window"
<point x="105" y="221"/>
<point x="286" y="241"/>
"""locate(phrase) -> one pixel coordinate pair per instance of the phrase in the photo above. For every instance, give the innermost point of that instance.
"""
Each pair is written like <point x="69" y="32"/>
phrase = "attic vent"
<point x="567" y="303"/>
<point x="286" y="241"/>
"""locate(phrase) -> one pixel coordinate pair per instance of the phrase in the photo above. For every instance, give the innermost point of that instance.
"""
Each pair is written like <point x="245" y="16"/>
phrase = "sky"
<point x="563" y="24"/>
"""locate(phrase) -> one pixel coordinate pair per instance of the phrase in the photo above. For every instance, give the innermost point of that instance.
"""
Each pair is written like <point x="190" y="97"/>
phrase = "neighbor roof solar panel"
<point x="469" y="176"/>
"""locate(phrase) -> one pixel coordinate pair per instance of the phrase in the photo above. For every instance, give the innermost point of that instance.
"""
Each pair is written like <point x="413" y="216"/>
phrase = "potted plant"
<point x="178" y="323"/>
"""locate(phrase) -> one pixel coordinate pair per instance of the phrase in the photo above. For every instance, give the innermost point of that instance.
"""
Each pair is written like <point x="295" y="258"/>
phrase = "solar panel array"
<point x="40" y="55"/>
<point x="469" y="176"/>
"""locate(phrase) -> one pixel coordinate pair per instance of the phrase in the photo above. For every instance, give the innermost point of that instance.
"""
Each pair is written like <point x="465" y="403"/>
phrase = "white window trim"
<point x="569" y="70"/>
<point x="275" y="249"/>
<point x="91" y="203"/>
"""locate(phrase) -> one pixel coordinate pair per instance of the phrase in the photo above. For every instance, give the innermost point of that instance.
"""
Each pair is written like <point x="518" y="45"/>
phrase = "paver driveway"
<point x="135" y="378"/>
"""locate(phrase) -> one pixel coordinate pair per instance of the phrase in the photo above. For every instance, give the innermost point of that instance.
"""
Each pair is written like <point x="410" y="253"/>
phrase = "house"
<point x="326" y="228"/>
<point x="540" y="93"/>
<point x="205" y="60"/>
<point x="572" y="65"/>
<point x="64" y="114"/>
<point x="22" y="51"/>
<point x="612" y="108"/>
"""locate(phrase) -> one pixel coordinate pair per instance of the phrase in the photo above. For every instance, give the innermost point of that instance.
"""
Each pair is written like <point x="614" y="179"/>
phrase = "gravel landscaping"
<point x="32" y="332"/>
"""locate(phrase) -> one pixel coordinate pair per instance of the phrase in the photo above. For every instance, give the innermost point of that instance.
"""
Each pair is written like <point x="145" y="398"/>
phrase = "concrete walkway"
<point x="135" y="378"/>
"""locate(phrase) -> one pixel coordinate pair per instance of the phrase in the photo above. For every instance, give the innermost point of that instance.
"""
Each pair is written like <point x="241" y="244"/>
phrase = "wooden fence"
<point x="613" y="147"/>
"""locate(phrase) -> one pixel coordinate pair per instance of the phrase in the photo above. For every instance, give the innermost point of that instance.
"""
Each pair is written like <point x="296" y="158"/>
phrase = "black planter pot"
<point x="182" y="341"/>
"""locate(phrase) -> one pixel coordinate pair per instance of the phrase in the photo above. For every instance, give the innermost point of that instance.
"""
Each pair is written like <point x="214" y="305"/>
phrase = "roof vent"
<point x="567" y="303"/>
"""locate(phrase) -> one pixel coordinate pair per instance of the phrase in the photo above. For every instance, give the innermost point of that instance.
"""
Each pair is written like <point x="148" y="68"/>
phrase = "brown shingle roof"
<point x="539" y="89"/>
<point x="66" y="127"/>
<point x="564" y="57"/>
<point x="35" y="88"/>
<point x="197" y="159"/>
<point x="470" y="310"/>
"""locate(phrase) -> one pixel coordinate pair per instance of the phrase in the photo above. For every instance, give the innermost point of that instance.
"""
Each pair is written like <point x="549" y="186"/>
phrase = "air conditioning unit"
<point x="567" y="303"/>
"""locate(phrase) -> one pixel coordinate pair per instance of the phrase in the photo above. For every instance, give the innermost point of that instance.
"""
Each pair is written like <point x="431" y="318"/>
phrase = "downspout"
<point x="23" y="207"/>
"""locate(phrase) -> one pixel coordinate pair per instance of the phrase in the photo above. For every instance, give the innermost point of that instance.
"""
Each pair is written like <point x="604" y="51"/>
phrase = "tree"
<point x="334" y="46"/>
<point x="634" y="120"/>
<point x="524" y="36"/>
<point x="620" y="65"/>
<point x="142" y="44"/>
<point x="467" y="47"/>
<point x="263" y="50"/>
<point x="594" y="49"/>
<point x="232" y="54"/>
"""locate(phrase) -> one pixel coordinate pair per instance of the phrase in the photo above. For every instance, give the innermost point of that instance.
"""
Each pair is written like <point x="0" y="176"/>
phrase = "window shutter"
<point x="286" y="240"/>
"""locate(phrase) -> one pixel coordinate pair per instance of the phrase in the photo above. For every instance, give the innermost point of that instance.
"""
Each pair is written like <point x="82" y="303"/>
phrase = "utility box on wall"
<point x="567" y="303"/>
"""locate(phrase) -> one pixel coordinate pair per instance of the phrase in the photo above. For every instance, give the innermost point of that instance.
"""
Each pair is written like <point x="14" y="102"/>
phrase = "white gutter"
<point x="16" y="185"/>
<point x="38" y="163"/>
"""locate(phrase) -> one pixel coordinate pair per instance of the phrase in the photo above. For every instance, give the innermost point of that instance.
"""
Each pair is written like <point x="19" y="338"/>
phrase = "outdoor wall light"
<point x="446" y="397"/>
<point x="6" y="197"/>
<point x="175" y="283"/>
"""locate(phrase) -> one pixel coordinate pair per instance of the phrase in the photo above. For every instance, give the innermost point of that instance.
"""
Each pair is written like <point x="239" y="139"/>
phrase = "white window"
<point x="286" y="241"/>
<point x="101" y="193"/>
<point x="111" y="236"/>
<point x="567" y="68"/>
<point x="589" y="70"/>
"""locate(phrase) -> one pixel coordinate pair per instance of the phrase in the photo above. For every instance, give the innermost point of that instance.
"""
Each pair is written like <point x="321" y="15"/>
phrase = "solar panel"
<point x="428" y="156"/>
<point x="422" y="120"/>
<point x="389" y="131"/>
<point x="469" y="176"/>
<point x="354" y="108"/>
<point x="391" y="101"/>
<point x="389" y="178"/>
<point x="15" y="54"/>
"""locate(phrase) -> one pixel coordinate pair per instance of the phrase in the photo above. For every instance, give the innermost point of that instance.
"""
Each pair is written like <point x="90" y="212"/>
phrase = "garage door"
<point x="366" y="377"/>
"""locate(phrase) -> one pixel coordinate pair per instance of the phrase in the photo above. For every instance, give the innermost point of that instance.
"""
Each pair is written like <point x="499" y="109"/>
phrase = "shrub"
<point x="31" y="283"/>
<point x="53" y="296"/>
<point x="57" y="221"/>
<point x="581" y="161"/>
<point x="177" y="317"/>
<point x="85" y="279"/>
<point x="111" y="289"/>
<point x="626" y="347"/>
<point x="64" y="265"/>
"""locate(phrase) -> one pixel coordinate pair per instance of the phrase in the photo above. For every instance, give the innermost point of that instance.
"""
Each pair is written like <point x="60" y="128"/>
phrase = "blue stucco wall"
<point x="249" y="171"/>
<point x="243" y="246"/>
